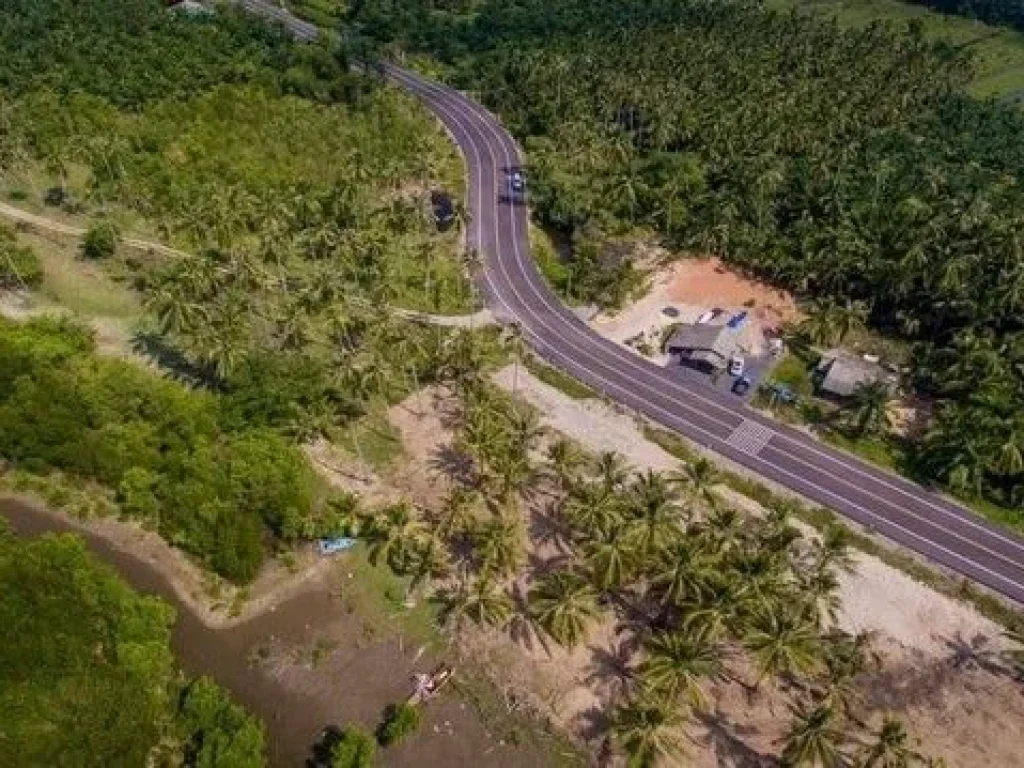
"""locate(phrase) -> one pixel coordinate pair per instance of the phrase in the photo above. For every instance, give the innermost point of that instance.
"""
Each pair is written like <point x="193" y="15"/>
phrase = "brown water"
<point x="296" y="702"/>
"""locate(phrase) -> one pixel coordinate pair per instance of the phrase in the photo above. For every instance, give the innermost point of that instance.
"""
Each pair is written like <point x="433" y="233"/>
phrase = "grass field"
<point x="85" y="289"/>
<point x="999" y="52"/>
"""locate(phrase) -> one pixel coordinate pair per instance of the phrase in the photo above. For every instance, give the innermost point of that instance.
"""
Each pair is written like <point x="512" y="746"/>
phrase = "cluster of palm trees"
<point x="701" y="594"/>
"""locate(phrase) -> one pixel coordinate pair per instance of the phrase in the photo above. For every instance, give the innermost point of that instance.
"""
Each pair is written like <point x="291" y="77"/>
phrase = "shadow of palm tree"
<point x="611" y="670"/>
<point x="155" y="348"/>
<point x="975" y="653"/>
<point x="547" y="530"/>
<point x="453" y="464"/>
<point x="728" y="741"/>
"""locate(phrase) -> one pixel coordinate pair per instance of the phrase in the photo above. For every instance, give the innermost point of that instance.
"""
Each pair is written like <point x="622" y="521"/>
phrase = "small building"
<point x="705" y="347"/>
<point x="840" y="375"/>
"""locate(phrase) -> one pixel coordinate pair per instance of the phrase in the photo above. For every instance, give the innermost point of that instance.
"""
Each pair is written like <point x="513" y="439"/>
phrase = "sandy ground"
<point x="938" y="653"/>
<point x="688" y="289"/>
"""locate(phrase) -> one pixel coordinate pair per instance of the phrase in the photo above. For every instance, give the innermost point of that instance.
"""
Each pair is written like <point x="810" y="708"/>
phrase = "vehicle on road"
<point x="737" y="365"/>
<point x="741" y="386"/>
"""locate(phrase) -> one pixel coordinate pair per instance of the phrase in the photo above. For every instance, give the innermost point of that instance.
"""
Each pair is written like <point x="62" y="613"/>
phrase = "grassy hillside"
<point x="998" y="52"/>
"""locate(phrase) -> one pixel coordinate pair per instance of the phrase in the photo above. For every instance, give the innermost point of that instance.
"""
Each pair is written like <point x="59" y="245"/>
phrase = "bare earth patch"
<point x="683" y="290"/>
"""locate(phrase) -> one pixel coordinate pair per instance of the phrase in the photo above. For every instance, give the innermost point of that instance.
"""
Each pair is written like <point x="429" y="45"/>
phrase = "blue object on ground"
<point x="737" y="320"/>
<point x="333" y="546"/>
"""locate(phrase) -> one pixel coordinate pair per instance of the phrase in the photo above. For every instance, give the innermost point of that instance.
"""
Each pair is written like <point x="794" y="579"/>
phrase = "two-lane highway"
<point x="516" y="292"/>
<point x="904" y="512"/>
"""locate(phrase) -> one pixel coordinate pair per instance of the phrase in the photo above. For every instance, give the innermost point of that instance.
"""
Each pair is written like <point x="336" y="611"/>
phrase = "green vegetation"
<point x="19" y="265"/>
<point x="222" y="134"/>
<point x="997" y="55"/>
<point x="847" y="164"/>
<point x="399" y="722"/>
<point x="560" y="381"/>
<point x="212" y="490"/>
<point x="355" y="749"/>
<point x="100" y="241"/>
<point x="990" y="11"/>
<point x="87" y="676"/>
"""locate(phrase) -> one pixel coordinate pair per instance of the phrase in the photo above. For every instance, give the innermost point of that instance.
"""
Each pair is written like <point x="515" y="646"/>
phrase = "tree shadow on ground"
<point x="154" y="348"/>
<point x="729" y="742"/>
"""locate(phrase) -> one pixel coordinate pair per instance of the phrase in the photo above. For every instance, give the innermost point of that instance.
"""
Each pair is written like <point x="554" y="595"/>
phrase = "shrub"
<point x="355" y="749"/>
<point x="400" y="720"/>
<point x="100" y="241"/>
<point x="19" y="265"/>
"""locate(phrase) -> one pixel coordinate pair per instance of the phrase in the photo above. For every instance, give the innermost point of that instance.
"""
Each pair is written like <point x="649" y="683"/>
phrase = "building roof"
<point x="713" y="344"/>
<point x="843" y="375"/>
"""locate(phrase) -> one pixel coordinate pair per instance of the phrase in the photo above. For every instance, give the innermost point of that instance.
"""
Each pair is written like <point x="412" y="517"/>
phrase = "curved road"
<point x="904" y="512"/>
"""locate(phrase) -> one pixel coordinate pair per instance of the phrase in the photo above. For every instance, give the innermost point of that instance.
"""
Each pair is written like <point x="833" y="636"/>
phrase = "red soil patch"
<point x="705" y="282"/>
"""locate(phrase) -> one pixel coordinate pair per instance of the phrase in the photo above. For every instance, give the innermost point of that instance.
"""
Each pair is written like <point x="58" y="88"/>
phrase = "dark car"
<point x="741" y="386"/>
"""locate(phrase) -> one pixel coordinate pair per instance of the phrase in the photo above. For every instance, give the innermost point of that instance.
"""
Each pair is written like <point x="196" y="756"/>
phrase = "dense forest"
<point x="87" y="677"/>
<point x="1005" y="12"/>
<point x="172" y="455"/>
<point x="845" y="165"/>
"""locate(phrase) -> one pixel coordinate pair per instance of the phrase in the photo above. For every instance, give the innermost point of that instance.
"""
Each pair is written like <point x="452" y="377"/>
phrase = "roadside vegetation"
<point x="860" y="175"/>
<point x="87" y="676"/>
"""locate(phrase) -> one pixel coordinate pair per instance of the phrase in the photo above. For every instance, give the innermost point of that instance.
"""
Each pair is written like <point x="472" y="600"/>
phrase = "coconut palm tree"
<point x="782" y="643"/>
<point x="684" y="572"/>
<point x="566" y="459"/>
<point x="481" y="601"/>
<point x="891" y="748"/>
<point x="611" y="469"/>
<point x="394" y="534"/>
<point x="699" y="478"/>
<point x="845" y="659"/>
<point x="592" y="507"/>
<point x="429" y="559"/>
<point x="678" y="664"/>
<point x="869" y="414"/>
<point x="648" y="729"/>
<point x="652" y="512"/>
<point x="609" y="558"/>
<point x="563" y="603"/>
<point x="814" y="739"/>
<point x="498" y="545"/>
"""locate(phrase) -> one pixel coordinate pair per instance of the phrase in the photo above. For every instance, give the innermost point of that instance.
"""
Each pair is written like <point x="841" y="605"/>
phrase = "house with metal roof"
<point x="706" y="347"/>
<point x="842" y="375"/>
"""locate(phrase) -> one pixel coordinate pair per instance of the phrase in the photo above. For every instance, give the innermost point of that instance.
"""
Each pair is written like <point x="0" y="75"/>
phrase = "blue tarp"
<point x="332" y="546"/>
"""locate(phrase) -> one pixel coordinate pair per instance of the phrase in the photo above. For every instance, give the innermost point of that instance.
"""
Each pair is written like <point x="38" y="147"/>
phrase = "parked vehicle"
<point x="737" y="320"/>
<point x="741" y="386"/>
<point x="737" y="365"/>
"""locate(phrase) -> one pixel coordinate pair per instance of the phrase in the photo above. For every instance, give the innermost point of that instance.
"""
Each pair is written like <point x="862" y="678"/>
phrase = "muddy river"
<point x="257" y="662"/>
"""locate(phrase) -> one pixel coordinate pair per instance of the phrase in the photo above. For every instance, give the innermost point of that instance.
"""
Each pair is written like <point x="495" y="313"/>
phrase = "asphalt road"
<point x="904" y="512"/>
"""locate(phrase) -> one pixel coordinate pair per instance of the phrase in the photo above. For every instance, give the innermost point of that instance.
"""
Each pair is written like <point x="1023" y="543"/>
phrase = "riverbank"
<point x="307" y="660"/>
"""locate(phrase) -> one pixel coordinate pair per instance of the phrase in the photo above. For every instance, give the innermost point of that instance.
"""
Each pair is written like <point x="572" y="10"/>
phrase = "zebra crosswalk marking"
<point x="750" y="437"/>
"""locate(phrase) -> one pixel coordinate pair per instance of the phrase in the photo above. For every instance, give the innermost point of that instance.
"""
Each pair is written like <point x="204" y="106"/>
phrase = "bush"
<point x="100" y="241"/>
<point x="19" y="265"/>
<point x="356" y="749"/>
<point x="400" y="720"/>
<point x="162" y="448"/>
